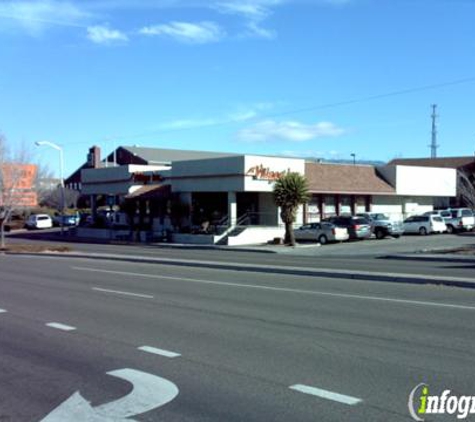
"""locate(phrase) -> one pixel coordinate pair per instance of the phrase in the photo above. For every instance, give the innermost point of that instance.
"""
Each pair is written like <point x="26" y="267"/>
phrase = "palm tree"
<point x="290" y="191"/>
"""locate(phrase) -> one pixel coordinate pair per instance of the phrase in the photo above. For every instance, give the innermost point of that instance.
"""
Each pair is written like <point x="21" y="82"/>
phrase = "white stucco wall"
<point x="209" y="175"/>
<point x="299" y="218"/>
<point x="400" y="207"/>
<point x="390" y="205"/>
<point x="421" y="181"/>
<point x="244" y="173"/>
<point x="115" y="180"/>
<point x="269" y="213"/>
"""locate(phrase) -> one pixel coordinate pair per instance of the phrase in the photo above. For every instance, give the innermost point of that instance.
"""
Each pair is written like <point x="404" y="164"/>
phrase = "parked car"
<point x="39" y="221"/>
<point x="85" y="219"/>
<point x="441" y="213"/>
<point x="68" y="220"/>
<point x="461" y="219"/>
<point x="358" y="227"/>
<point x="322" y="233"/>
<point x="382" y="225"/>
<point x="424" y="224"/>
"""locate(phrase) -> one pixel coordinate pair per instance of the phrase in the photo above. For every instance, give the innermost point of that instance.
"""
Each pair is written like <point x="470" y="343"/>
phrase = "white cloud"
<point x="254" y="29"/>
<point x="248" y="112"/>
<point x="250" y="10"/>
<point x="270" y="130"/>
<point x="186" y="32"/>
<point x="254" y="12"/>
<point x="36" y="16"/>
<point x="101" y="34"/>
<point x="188" y="124"/>
<point x="208" y="121"/>
<point x="241" y="114"/>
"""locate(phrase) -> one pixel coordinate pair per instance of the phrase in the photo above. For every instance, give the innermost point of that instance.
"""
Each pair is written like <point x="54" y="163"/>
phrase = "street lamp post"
<point x="61" y="176"/>
<point x="354" y="158"/>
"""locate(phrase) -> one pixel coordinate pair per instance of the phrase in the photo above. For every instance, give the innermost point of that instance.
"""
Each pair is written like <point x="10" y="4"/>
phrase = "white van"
<point x="461" y="219"/>
<point x="424" y="224"/>
<point x="39" y="221"/>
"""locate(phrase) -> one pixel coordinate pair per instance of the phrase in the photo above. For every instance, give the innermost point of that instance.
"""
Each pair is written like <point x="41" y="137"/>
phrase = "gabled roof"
<point x="167" y="156"/>
<point x="443" y="162"/>
<point x="346" y="179"/>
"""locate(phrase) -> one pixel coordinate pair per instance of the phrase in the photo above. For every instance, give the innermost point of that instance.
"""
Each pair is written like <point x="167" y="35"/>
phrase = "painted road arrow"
<point x="148" y="393"/>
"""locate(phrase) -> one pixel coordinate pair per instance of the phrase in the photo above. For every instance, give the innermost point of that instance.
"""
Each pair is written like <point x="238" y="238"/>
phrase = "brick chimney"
<point x="94" y="157"/>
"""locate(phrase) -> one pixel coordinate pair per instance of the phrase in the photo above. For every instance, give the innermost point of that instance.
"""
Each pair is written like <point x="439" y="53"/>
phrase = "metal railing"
<point x="466" y="189"/>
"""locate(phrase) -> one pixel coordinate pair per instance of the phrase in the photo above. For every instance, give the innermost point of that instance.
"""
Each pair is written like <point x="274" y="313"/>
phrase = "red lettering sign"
<point x="265" y="173"/>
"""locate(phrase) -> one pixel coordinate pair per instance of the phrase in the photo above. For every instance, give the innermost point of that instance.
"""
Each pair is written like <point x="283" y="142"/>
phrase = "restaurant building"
<point x="209" y="197"/>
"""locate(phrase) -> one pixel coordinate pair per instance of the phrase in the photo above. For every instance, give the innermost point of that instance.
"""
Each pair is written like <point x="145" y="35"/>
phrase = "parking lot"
<point x="388" y="246"/>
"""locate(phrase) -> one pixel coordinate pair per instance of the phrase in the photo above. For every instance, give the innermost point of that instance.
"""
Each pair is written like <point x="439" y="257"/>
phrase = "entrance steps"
<point x="236" y="231"/>
<point x="251" y="235"/>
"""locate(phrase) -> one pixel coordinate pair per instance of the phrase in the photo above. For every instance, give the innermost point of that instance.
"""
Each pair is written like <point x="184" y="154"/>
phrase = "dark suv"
<point x="358" y="227"/>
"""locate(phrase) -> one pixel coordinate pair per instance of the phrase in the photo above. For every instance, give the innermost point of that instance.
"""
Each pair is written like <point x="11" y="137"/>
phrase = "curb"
<point x="213" y="248"/>
<point x="296" y="271"/>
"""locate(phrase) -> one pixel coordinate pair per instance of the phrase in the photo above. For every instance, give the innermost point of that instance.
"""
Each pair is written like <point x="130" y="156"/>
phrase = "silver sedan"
<point x="322" y="233"/>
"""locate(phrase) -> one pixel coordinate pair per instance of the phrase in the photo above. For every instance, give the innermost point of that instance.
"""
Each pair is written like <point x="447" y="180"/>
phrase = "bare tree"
<point x="44" y="183"/>
<point x="16" y="182"/>
<point x="52" y="198"/>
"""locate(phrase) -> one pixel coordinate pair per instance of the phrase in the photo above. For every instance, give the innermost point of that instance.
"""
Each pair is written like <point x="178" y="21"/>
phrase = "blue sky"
<point x="293" y="77"/>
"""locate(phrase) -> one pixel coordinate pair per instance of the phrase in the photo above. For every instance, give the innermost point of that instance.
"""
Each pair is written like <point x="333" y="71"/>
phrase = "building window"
<point x="345" y="205"/>
<point x="360" y="204"/>
<point x="330" y="206"/>
<point x="313" y="211"/>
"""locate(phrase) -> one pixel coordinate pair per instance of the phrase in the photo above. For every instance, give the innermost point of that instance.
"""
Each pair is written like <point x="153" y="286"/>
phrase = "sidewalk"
<point x="264" y="248"/>
<point x="56" y="237"/>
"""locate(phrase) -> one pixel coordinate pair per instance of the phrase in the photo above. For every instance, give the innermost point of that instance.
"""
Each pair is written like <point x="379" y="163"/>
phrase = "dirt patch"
<point x="20" y="248"/>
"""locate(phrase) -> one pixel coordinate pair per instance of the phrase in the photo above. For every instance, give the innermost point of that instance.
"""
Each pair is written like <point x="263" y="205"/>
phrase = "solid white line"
<point x="59" y="326"/>
<point x="118" y="292"/>
<point x="161" y="352"/>
<point x="325" y="394"/>
<point x="283" y="289"/>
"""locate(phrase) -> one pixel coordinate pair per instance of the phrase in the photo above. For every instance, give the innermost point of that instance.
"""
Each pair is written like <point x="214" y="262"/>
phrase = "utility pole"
<point x="434" y="145"/>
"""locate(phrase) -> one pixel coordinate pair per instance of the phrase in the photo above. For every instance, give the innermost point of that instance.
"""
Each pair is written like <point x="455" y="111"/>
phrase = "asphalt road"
<point x="243" y="340"/>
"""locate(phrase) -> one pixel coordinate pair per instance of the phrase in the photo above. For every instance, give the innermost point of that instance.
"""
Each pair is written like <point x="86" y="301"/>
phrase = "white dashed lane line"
<point x="60" y="326"/>
<point x="161" y="352"/>
<point x="325" y="394"/>
<point x="3" y="311"/>
<point x="278" y="289"/>
<point x="119" y="292"/>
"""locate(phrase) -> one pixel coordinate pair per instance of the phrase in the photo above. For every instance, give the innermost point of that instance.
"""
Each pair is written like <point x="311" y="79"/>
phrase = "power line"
<point x="300" y="110"/>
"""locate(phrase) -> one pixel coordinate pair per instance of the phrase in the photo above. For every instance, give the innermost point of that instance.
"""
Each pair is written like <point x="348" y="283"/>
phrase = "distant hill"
<point x="345" y="161"/>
